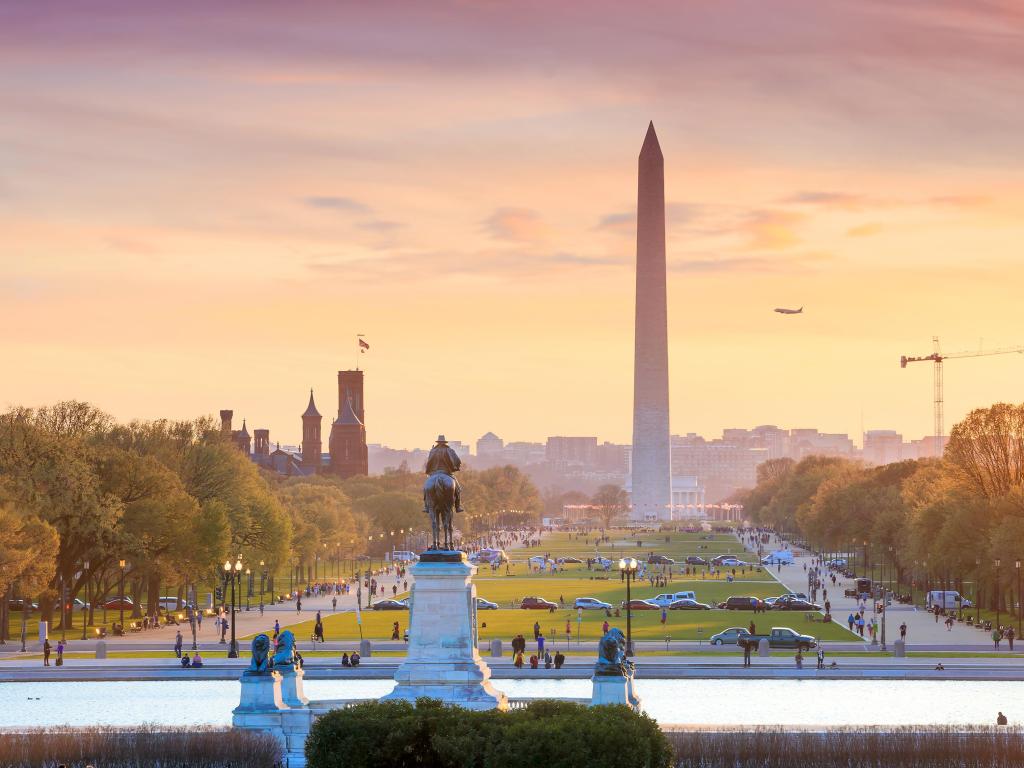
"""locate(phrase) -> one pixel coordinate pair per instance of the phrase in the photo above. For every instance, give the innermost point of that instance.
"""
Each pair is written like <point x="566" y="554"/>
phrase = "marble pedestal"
<point x="291" y="686"/>
<point x="614" y="690"/>
<point x="443" y="661"/>
<point x="260" y="693"/>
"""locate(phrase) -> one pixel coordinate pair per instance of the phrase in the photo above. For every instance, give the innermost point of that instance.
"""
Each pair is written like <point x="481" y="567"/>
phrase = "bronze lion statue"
<point x="260" y="664"/>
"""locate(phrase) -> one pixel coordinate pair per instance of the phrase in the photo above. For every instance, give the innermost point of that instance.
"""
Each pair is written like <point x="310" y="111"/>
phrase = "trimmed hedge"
<point x="547" y="734"/>
<point x="867" y="747"/>
<point x="142" y="747"/>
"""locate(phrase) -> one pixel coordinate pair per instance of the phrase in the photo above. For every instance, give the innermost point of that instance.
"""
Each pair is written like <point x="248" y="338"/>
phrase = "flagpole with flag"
<point x="362" y="346"/>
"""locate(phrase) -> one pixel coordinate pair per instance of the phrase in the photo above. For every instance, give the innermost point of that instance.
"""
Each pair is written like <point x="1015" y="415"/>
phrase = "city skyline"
<point x="172" y="249"/>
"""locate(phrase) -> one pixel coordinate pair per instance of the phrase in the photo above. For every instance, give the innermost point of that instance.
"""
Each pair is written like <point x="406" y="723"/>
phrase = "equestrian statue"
<point x="442" y="495"/>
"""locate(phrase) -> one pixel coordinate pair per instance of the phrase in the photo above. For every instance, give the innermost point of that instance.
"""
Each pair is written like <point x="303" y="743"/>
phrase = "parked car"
<point x="117" y="603"/>
<point x="696" y="560"/>
<point x="729" y="636"/>
<point x="171" y="604"/>
<point x="783" y="557"/>
<point x="660" y="560"/>
<point x="641" y="605"/>
<point x="794" y="604"/>
<point x="485" y="605"/>
<point x="591" y="604"/>
<point x="838" y="562"/>
<point x="740" y="604"/>
<point x="489" y="556"/>
<point x="733" y="562"/>
<point x="797" y="595"/>
<point x="666" y="599"/>
<point x="769" y="602"/>
<point x="537" y="604"/>
<point x="392" y="605"/>
<point x="781" y="637"/>
<point x="687" y="604"/>
<point x="569" y="561"/>
<point x="20" y="603"/>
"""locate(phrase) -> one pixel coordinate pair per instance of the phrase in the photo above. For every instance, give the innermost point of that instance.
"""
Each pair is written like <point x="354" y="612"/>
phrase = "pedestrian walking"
<point x="47" y="648"/>
<point x="277" y="628"/>
<point x="996" y="637"/>
<point x="60" y="653"/>
<point x="604" y="627"/>
<point x="334" y="604"/>
<point x="540" y="644"/>
<point x="1010" y="634"/>
<point x="177" y="644"/>
<point x="536" y="629"/>
<point x="821" y="657"/>
<point x="664" y="616"/>
<point x="747" y="651"/>
<point x="298" y="604"/>
<point x="850" y="620"/>
<point x="799" y="659"/>
<point x="903" y="631"/>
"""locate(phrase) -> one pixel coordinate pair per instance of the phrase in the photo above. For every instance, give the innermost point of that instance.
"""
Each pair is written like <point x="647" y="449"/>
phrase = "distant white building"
<point x="490" y="445"/>
<point x="687" y="501"/>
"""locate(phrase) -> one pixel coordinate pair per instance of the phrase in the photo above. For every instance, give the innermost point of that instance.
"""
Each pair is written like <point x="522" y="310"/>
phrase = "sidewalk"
<point x="922" y="627"/>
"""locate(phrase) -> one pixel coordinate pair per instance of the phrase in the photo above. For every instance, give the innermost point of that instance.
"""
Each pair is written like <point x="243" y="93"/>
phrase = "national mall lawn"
<point x="576" y="581"/>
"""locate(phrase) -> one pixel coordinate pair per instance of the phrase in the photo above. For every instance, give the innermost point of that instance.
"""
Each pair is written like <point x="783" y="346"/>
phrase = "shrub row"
<point x="547" y="734"/>
<point x="911" y="747"/>
<point x="143" y="747"/>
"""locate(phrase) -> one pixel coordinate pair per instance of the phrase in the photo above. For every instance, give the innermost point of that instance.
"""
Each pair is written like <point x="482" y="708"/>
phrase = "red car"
<point x="538" y="603"/>
<point x="116" y="603"/>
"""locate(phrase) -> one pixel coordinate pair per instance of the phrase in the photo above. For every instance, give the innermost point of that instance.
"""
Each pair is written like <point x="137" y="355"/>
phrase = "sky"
<point x="202" y="204"/>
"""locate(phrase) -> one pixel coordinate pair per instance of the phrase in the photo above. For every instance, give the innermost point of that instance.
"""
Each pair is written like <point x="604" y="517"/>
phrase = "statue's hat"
<point x="440" y="439"/>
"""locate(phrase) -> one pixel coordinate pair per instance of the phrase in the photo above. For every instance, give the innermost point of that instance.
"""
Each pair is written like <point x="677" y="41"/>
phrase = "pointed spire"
<point x="244" y="432"/>
<point x="348" y="414"/>
<point x="311" y="408"/>
<point x="651" y="147"/>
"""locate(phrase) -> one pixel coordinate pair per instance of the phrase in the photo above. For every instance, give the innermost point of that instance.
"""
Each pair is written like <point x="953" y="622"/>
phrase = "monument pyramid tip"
<point x="650" y="141"/>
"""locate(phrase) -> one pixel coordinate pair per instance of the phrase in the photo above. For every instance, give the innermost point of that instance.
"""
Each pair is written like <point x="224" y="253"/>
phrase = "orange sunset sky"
<point x="201" y="204"/>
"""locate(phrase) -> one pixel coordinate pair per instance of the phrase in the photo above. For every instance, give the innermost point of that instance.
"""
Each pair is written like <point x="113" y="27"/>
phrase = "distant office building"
<point x="811" y="442"/>
<point x="721" y="468"/>
<point x="882" y="446"/>
<point x="490" y="445"/>
<point x="612" y="459"/>
<point x="569" y="451"/>
<point x="523" y="454"/>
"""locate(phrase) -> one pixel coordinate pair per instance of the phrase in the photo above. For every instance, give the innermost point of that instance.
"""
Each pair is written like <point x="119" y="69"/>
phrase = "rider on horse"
<point x="443" y="458"/>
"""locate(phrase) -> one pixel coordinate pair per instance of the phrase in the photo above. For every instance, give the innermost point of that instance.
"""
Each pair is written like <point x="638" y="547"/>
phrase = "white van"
<point x="665" y="600"/>
<point x="947" y="600"/>
<point x="402" y="556"/>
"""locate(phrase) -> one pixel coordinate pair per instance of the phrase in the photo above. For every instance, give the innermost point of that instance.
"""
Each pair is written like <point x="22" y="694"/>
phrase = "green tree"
<point x="612" y="502"/>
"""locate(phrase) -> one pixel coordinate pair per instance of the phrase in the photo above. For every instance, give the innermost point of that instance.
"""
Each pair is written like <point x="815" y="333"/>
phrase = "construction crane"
<point x="937" y="357"/>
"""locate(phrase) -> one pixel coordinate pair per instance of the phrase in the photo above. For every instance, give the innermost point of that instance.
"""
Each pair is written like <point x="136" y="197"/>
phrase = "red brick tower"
<point x="350" y="384"/>
<point x="311" y="445"/>
<point x="348" y="442"/>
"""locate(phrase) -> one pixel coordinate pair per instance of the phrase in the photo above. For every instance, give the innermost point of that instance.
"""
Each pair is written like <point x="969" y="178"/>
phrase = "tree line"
<point x="944" y="520"/>
<point x="173" y="500"/>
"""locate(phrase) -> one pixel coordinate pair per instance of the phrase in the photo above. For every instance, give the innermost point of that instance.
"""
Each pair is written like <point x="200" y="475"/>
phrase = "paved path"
<point x="922" y="628"/>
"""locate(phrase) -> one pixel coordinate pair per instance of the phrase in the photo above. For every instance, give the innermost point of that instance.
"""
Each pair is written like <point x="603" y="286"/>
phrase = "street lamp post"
<point x="998" y="563"/>
<point x="120" y="564"/>
<point x="977" y="590"/>
<point x="248" y="587"/>
<point x="1020" y="603"/>
<point x="85" y="608"/>
<point x="263" y="581"/>
<point x="236" y="576"/>
<point x="627" y="567"/>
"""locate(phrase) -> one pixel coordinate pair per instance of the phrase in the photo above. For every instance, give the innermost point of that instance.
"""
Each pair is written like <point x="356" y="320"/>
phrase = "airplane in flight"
<point x="784" y="311"/>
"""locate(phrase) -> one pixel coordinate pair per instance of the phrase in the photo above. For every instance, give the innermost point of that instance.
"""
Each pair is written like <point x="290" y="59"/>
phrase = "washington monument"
<point x="652" y="465"/>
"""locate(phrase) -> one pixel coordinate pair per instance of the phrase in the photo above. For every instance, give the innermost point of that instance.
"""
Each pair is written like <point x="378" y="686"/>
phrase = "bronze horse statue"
<point x="439" y="502"/>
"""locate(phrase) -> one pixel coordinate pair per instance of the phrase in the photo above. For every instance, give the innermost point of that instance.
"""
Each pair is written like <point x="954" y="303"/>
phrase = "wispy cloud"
<point x="335" y="203"/>
<point x="824" y="199"/>
<point x="762" y="263"/>
<point x="864" y="230"/>
<point x="380" y="226"/>
<point x="770" y="229"/>
<point x="517" y="225"/>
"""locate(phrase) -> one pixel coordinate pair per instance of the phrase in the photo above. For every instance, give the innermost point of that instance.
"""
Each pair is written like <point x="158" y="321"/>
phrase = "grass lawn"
<point x="576" y="581"/>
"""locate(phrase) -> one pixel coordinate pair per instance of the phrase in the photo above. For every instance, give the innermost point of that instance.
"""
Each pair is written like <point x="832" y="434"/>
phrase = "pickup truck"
<point x="780" y="637"/>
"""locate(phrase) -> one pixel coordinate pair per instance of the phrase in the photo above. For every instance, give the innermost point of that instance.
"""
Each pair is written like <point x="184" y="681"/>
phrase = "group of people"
<point x="549" y="661"/>
<point x="48" y="649"/>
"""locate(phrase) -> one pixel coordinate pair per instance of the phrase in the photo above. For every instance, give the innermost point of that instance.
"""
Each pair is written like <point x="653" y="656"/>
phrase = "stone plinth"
<point x="443" y="660"/>
<point x="291" y="686"/>
<point x="614" y="690"/>
<point x="260" y="693"/>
